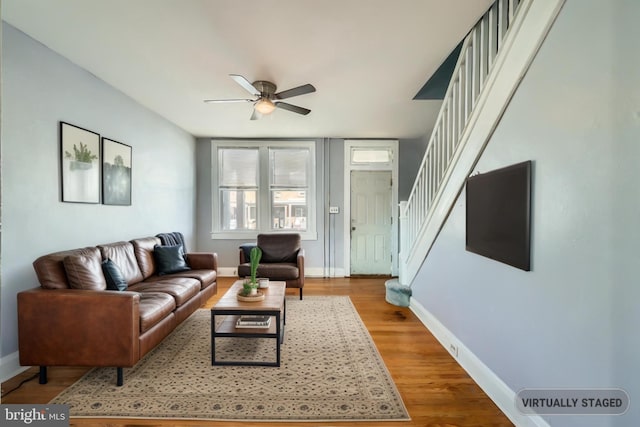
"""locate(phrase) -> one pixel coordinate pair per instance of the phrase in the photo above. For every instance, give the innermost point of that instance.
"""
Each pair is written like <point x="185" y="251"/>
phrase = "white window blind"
<point x="263" y="187"/>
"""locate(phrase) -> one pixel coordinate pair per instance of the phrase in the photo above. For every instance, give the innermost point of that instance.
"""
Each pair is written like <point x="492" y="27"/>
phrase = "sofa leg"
<point x="120" y="380"/>
<point x="300" y="294"/>
<point x="43" y="375"/>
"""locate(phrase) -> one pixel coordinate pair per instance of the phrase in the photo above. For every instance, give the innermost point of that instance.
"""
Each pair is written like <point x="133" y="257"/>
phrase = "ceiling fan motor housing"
<point x="267" y="89"/>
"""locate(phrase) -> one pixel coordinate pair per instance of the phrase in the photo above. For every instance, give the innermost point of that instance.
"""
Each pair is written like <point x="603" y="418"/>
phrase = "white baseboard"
<point x="503" y="396"/>
<point x="324" y="272"/>
<point x="228" y="271"/>
<point x="308" y="272"/>
<point x="10" y="366"/>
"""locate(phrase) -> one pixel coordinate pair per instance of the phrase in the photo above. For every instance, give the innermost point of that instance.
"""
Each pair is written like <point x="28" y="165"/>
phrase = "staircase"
<point x="494" y="58"/>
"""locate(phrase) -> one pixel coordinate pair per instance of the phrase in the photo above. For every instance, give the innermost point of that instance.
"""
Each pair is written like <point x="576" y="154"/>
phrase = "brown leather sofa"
<point x="73" y="320"/>
<point x="282" y="259"/>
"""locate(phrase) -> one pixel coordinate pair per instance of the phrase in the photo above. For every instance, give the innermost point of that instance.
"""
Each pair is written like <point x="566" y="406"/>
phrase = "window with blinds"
<point x="238" y="188"/>
<point x="263" y="187"/>
<point x="288" y="187"/>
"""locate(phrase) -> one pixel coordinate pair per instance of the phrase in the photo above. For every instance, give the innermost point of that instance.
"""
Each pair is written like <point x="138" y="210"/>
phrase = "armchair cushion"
<point x="279" y="271"/>
<point x="279" y="247"/>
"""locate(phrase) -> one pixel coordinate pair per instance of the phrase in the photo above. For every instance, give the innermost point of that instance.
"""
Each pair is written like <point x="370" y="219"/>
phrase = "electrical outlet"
<point x="334" y="209"/>
<point x="453" y="349"/>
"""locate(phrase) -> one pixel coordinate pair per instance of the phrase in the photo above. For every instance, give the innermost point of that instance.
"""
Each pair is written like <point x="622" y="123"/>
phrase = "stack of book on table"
<point x="252" y="321"/>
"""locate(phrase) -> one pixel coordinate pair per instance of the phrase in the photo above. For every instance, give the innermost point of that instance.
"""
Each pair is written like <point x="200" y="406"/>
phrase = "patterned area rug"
<point x="330" y="371"/>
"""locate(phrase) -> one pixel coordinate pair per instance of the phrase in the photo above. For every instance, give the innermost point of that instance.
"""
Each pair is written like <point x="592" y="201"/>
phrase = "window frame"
<point x="263" y="198"/>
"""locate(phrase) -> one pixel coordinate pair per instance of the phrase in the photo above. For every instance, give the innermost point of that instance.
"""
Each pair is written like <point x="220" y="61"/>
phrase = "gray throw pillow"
<point x="169" y="259"/>
<point x="113" y="276"/>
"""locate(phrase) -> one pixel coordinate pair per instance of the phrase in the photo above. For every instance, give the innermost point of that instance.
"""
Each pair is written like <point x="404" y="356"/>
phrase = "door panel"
<point x="370" y="222"/>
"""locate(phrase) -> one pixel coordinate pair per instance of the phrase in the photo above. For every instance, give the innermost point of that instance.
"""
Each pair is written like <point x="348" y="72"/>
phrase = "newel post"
<point x="404" y="241"/>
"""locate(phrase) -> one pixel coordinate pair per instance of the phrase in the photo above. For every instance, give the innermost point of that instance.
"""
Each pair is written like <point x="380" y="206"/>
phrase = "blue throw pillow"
<point x="246" y="248"/>
<point x="169" y="259"/>
<point x="113" y="276"/>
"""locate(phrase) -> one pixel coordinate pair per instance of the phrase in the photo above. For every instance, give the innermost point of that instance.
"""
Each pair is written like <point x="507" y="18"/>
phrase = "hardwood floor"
<point x="435" y="389"/>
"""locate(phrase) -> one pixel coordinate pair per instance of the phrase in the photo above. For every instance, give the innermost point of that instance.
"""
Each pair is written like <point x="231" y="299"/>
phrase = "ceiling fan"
<point x="266" y="100"/>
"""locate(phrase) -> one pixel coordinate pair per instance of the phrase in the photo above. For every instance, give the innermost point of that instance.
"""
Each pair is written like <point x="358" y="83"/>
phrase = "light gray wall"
<point x="334" y="179"/>
<point x="39" y="89"/>
<point x="572" y="321"/>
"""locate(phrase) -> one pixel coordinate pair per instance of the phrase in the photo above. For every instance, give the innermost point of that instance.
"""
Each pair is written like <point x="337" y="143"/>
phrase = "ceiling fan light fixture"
<point x="265" y="106"/>
<point x="264" y="94"/>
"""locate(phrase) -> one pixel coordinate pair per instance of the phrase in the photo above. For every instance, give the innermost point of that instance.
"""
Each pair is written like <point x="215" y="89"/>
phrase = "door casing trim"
<point x="392" y="146"/>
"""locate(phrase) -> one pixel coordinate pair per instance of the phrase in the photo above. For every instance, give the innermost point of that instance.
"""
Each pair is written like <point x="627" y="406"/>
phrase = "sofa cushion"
<point x="121" y="253"/>
<point x="143" y="248"/>
<point x="274" y="271"/>
<point x="206" y="277"/>
<point x="84" y="270"/>
<point x="169" y="259"/>
<point x="50" y="268"/>
<point x="182" y="289"/>
<point x="113" y="276"/>
<point x="154" y="306"/>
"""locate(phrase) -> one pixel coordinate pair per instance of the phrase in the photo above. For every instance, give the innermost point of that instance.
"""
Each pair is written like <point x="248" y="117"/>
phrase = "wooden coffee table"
<point x="274" y="305"/>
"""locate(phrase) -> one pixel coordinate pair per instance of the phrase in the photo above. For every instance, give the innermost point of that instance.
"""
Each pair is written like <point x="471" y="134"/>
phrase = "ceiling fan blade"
<point x="294" y="108"/>
<point x="245" y="84"/>
<point x="221" y="101"/>
<point x="296" y="91"/>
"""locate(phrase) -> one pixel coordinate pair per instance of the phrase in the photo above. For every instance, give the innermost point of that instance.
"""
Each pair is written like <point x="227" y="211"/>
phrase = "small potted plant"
<point x="250" y="287"/>
<point x="81" y="158"/>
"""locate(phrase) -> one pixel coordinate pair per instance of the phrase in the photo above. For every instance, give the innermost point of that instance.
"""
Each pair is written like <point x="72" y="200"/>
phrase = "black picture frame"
<point x="116" y="173"/>
<point x="79" y="164"/>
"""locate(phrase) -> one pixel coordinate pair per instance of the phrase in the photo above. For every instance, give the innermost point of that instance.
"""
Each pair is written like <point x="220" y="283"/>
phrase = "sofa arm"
<point x="203" y="260"/>
<point x="300" y="262"/>
<point x="73" y="327"/>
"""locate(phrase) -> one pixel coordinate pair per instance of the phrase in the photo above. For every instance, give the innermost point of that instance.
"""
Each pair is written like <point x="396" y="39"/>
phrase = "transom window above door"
<point x="365" y="156"/>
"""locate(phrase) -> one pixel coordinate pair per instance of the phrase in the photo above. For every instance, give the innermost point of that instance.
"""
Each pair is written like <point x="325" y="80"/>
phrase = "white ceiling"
<point x="366" y="58"/>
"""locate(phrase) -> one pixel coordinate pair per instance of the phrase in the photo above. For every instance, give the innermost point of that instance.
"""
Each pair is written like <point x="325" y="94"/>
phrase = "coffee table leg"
<point x="213" y="338"/>
<point x="278" y="338"/>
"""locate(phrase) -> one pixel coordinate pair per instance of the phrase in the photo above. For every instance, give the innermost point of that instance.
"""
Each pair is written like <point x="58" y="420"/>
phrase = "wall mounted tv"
<point x="499" y="215"/>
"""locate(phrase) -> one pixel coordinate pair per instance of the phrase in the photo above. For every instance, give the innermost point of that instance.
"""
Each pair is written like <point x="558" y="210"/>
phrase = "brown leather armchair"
<point x="282" y="259"/>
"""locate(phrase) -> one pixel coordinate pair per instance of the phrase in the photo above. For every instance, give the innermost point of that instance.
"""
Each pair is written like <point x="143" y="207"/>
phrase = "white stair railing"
<point x="481" y="58"/>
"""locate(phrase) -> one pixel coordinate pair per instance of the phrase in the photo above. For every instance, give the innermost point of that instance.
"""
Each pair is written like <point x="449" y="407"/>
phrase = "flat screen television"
<point x="498" y="215"/>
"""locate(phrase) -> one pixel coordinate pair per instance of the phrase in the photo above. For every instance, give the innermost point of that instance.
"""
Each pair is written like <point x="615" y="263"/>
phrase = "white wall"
<point x="39" y="89"/>
<point x="572" y="321"/>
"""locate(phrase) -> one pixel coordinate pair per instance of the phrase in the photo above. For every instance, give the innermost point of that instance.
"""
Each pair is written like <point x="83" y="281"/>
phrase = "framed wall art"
<point x="79" y="164"/>
<point x="116" y="173"/>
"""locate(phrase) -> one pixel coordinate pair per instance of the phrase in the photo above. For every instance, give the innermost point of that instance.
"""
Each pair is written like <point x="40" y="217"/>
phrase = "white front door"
<point x="371" y="222"/>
